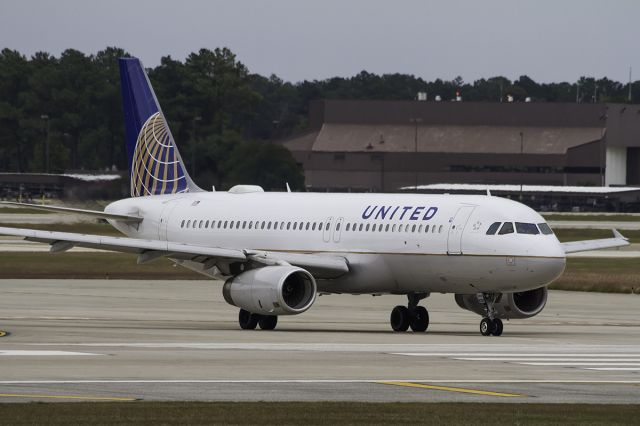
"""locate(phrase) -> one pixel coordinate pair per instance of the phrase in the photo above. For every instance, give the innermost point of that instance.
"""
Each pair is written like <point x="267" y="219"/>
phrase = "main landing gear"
<point x="414" y="316"/>
<point x="249" y="321"/>
<point x="490" y="325"/>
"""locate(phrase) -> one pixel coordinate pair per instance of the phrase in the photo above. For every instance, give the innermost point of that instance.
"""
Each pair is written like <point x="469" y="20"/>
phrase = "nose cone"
<point x="547" y="261"/>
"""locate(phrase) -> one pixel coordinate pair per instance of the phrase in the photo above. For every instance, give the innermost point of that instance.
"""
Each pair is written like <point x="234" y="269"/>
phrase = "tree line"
<point x="64" y="113"/>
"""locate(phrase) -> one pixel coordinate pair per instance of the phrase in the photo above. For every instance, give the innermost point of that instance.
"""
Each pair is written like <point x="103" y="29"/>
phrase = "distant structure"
<point x="73" y="186"/>
<point x="388" y="145"/>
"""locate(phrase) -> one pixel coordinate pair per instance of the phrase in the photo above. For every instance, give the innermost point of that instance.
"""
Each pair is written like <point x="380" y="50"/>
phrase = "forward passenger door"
<point x="456" y="229"/>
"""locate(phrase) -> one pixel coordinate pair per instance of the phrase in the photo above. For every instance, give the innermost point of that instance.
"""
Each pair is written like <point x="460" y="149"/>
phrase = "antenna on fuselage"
<point x="288" y="189"/>
<point x="488" y="192"/>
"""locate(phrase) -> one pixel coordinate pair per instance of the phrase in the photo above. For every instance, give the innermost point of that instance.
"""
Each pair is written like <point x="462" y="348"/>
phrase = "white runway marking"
<point x="317" y="381"/>
<point x="43" y="353"/>
<point x="588" y="360"/>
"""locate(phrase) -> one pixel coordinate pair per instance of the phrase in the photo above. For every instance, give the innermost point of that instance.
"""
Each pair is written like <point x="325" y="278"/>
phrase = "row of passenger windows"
<point x="520" y="228"/>
<point x="306" y="226"/>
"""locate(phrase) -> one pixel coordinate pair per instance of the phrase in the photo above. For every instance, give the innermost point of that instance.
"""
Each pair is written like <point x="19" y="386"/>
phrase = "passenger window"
<point x="244" y="224"/>
<point x="225" y="224"/>
<point x="380" y="228"/>
<point x="313" y="226"/>
<point x="231" y="225"/>
<point x="206" y="224"/>
<point x="386" y="228"/>
<point x="263" y="223"/>
<point x="544" y="228"/>
<point x="373" y="227"/>
<point x="306" y="228"/>
<point x="426" y="229"/>
<point x="195" y="223"/>
<point x="269" y="225"/>
<point x="338" y="226"/>
<point x="200" y="226"/>
<point x="238" y="225"/>
<point x="393" y="228"/>
<point x="327" y="227"/>
<point x="348" y="226"/>
<point x="400" y="228"/>
<point x="250" y="224"/>
<point x="219" y="224"/>
<point x="295" y="225"/>
<point x="527" y="228"/>
<point x="182" y="224"/>
<point x="367" y="227"/>
<point x="420" y="228"/>
<point x="493" y="228"/>
<point x="360" y="227"/>
<point x="507" y="228"/>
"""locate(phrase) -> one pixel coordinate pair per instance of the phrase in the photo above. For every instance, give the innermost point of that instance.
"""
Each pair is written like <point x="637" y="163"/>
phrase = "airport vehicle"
<point x="277" y="250"/>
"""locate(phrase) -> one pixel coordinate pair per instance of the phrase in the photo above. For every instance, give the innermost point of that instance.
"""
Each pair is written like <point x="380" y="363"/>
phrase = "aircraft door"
<point x="456" y="228"/>
<point x="163" y="224"/>
<point x="326" y="229"/>
<point x="338" y="230"/>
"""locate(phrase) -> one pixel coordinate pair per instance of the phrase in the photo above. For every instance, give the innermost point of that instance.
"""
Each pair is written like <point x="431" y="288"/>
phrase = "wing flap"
<point x="618" y="240"/>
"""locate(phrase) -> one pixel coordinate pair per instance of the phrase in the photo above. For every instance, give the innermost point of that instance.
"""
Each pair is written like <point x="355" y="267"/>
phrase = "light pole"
<point x="416" y="121"/>
<point x="45" y="117"/>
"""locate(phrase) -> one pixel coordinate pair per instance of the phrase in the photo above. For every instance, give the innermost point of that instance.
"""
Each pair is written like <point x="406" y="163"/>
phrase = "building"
<point x="390" y="145"/>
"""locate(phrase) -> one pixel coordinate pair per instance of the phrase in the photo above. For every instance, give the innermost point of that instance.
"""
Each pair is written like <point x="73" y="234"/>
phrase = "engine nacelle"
<point x="272" y="290"/>
<point x="509" y="305"/>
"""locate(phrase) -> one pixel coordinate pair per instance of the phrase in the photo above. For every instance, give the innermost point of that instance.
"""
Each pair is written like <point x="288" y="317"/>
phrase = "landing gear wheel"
<point x="419" y="319"/>
<point x="400" y="318"/>
<point x="247" y="320"/>
<point x="497" y="327"/>
<point x="268" y="322"/>
<point x="486" y="327"/>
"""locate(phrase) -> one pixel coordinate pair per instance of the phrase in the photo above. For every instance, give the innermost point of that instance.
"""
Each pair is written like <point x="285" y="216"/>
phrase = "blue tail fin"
<point x="155" y="165"/>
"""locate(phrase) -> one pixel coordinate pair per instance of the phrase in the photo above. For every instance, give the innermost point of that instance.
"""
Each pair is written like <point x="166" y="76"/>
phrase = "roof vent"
<point x="245" y="189"/>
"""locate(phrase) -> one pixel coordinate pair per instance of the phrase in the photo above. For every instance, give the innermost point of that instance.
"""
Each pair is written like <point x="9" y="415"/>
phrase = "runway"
<point x="178" y="340"/>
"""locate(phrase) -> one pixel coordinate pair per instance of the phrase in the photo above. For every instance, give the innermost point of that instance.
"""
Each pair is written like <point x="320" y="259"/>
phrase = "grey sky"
<point x="549" y="40"/>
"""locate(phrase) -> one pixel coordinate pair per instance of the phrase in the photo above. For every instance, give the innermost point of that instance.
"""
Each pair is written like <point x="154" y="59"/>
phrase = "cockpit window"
<point x="527" y="228"/>
<point x="493" y="228"/>
<point x="507" y="228"/>
<point x="544" y="228"/>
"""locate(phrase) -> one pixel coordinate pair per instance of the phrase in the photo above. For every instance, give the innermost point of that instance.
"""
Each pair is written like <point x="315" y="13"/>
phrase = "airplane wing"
<point x="93" y="213"/>
<point x="329" y="266"/>
<point x="618" y="240"/>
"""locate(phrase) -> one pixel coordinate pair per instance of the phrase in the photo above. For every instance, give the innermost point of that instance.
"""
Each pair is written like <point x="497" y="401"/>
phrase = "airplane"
<point x="276" y="251"/>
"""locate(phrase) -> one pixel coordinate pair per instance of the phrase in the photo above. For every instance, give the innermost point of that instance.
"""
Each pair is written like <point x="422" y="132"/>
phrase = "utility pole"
<point x="45" y="117"/>
<point x="416" y="121"/>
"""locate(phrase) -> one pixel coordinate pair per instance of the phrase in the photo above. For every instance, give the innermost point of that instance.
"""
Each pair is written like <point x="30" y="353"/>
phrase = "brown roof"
<point x="448" y="139"/>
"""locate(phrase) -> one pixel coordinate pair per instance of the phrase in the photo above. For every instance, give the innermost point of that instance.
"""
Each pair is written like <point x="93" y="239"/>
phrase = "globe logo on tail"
<point x="156" y="167"/>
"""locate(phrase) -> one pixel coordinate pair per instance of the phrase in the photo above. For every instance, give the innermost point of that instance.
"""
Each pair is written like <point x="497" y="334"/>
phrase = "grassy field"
<point x="315" y="413"/>
<point x="565" y="235"/>
<point x="81" y="227"/>
<point x="592" y="217"/>
<point x="88" y="266"/>
<point x="21" y="210"/>
<point x="604" y="275"/>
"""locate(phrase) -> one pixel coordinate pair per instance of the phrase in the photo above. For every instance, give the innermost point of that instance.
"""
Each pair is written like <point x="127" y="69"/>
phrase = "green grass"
<point x="592" y="217"/>
<point x="21" y="210"/>
<point x="600" y="274"/>
<point x="80" y="227"/>
<point x="565" y="235"/>
<point x="315" y="413"/>
<point x="88" y="266"/>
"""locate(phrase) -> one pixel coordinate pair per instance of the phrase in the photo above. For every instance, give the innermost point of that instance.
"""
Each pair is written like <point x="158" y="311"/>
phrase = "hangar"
<point x="355" y="145"/>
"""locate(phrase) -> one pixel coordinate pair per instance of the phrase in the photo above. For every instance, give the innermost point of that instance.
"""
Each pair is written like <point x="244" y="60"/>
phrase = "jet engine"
<point x="272" y="290"/>
<point x="508" y="305"/>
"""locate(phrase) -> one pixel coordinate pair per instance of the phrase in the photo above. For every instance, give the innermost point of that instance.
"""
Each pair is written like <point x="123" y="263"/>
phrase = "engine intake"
<point x="272" y="290"/>
<point x="509" y="305"/>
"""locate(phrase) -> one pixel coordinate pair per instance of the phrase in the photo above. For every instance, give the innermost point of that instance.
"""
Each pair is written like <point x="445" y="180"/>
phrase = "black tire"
<point x="497" y="327"/>
<point x="400" y="318"/>
<point x="419" y="319"/>
<point x="486" y="327"/>
<point x="268" y="322"/>
<point x="247" y="320"/>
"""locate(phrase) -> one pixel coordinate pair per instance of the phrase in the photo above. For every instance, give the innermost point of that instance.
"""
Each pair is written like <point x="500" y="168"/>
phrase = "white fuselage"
<point x="394" y="243"/>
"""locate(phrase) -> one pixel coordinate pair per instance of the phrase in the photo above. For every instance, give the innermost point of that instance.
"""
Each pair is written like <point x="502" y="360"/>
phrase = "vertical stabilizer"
<point x="155" y="165"/>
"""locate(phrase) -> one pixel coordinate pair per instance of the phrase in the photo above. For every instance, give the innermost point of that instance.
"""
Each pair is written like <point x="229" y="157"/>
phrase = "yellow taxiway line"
<point x="452" y="389"/>
<point x="86" y="398"/>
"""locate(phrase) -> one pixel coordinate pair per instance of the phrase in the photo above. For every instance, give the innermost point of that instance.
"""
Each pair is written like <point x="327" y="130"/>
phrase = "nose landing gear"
<point x="414" y="316"/>
<point x="490" y="325"/>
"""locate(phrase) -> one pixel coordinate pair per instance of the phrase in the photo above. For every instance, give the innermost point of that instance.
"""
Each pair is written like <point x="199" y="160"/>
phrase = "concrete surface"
<point x="178" y="340"/>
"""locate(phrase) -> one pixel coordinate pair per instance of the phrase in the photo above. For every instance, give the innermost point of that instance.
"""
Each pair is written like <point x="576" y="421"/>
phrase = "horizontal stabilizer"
<point x="70" y="210"/>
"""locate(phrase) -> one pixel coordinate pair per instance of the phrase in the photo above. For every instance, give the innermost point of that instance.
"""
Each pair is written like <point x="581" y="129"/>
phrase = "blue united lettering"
<point x="403" y="212"/>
